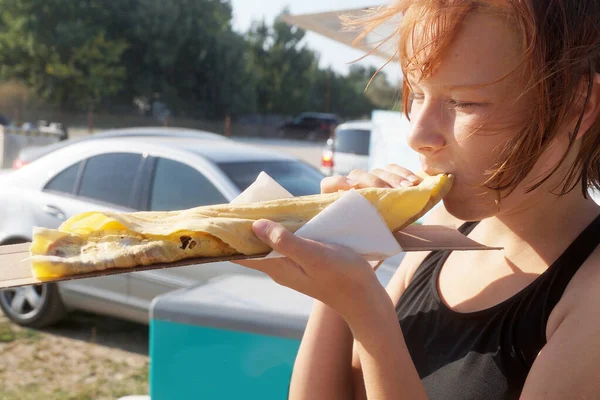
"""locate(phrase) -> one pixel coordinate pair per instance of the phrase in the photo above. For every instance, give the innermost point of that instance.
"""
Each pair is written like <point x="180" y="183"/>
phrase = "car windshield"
<point x="353" y="141"/>
<point x="296" y="177"/>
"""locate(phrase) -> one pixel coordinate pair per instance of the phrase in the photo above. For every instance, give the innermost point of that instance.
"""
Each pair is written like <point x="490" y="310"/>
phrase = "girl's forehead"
<point x="482" y="50"/>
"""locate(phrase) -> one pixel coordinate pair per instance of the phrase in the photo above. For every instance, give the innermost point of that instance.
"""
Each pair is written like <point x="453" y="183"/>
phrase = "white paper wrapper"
<point x="351" y="221"/>
<point x="264" y="188"/>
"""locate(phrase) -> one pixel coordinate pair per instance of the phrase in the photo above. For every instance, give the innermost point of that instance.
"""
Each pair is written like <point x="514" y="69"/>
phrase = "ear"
<point x="592" y="109"/>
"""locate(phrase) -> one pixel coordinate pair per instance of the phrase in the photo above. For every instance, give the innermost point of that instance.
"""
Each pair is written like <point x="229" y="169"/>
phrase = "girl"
<point x="505" y="95"/>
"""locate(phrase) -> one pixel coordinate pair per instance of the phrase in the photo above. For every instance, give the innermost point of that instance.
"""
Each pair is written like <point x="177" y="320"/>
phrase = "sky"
<point x="333" y="54"/>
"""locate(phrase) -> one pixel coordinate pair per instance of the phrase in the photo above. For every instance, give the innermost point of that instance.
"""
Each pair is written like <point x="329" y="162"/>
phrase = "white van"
<point x="348" y="149"/>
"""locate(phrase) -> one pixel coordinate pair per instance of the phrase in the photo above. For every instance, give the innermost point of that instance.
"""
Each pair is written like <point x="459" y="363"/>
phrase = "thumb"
<point x="284" y="242"/>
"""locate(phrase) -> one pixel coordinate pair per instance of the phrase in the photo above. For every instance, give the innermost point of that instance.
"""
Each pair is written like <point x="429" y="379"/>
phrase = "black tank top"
<point x="484" y="354"/>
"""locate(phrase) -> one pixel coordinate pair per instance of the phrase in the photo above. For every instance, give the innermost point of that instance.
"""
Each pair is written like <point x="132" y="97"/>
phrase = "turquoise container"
<point x="235" y="337"/>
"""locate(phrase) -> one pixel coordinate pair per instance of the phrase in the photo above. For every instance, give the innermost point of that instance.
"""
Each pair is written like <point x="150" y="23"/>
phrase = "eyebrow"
<point x="465" y="86"/>
<point x="457" y="86"/>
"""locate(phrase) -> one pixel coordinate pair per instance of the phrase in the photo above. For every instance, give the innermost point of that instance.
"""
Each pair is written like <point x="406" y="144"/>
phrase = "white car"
<point x="128" y="174"/>
<point x="32" y="153"/>
<point x="348" y="149"/>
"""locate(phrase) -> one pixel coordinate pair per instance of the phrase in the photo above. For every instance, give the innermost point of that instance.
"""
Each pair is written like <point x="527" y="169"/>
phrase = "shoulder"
<point x="581" y="296"/>
<point x="567" y="365"/>
<point x="412" y="260"/>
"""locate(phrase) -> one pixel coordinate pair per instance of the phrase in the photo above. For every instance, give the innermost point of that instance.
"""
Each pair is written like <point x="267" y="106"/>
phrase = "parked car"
<point x="32" y="153"/>
<point x="147" y="173"/>
<point x="348" y="149"/>
<point x="4" y="120"/>
<point x="309" y="126"/>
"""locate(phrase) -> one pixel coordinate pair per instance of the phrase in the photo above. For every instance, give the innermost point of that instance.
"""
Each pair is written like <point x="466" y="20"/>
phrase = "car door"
<point x="174" y="185"/>
<point x="105" y="182"/>
<point x="301" y="126"/>
<point x="310" y="124"/>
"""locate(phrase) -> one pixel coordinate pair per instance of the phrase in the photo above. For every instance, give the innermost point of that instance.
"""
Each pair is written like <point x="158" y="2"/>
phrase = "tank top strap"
<point x="467" y="227"/>
<point x="568" y="263"/>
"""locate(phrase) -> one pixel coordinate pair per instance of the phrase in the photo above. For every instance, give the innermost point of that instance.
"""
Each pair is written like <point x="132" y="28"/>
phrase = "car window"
<point x="296" y="177"/>
<point x="110" y="178"/>
<point x="177" y="186"/>
<point x="353" y="141"/>
<point x="64" y="182"/>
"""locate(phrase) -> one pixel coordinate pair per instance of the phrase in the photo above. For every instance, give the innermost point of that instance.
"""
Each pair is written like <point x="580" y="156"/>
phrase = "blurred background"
<point x="147" y="105"/>
<point x="228" y="67"/>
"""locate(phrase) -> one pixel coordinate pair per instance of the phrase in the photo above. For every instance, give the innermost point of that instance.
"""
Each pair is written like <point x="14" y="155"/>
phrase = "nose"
<point x="426" y="133"/>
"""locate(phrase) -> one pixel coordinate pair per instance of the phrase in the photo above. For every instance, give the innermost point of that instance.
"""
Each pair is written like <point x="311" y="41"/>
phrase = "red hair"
<point x="560" y="42"/>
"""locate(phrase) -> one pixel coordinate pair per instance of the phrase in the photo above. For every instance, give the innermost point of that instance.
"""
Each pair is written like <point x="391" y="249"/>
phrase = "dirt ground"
<point x="83" y="357"/>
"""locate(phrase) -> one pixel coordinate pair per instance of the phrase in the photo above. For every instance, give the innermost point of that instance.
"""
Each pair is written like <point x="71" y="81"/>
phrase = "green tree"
<point x="375" y="85"/>
<point x="92" y="72"/>
<point x="61" y="49"/>
<point x="187" y="51"/>
<point x="113" y="54"/>
<point x="285" y="67"/>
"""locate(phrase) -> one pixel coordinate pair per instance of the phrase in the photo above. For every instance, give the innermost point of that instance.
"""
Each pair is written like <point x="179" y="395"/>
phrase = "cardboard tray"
<point x="15" y="268"/>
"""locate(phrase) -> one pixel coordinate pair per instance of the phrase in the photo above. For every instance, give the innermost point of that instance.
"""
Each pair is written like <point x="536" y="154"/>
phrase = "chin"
<point x="468" y="206"/>
<point x="461" y="211"/>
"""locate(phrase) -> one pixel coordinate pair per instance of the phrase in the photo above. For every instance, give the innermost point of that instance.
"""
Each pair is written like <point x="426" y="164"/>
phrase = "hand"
<point x="332" y="274"/>
<point x="390" y="177"/>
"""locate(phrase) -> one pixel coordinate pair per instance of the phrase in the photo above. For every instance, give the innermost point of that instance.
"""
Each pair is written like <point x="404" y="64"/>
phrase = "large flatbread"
<point x="95" y="241"/>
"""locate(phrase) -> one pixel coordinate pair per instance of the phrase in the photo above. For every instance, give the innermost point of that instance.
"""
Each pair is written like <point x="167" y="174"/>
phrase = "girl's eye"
<point x="418" y="96"/>
<point x="461" y="104"/>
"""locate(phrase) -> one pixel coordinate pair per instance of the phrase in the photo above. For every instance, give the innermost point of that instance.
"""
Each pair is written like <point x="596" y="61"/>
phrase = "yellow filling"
<point x="96" y="241"/>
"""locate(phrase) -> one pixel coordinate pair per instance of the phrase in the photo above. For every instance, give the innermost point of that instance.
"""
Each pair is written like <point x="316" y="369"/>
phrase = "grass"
<point x="38" y="365"/>
<point x="10" y="332"/>
<point x="134" y="383"/>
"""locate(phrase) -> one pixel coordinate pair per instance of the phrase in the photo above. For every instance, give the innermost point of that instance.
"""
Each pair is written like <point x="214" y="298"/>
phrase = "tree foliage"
<point x="113" y="54"/>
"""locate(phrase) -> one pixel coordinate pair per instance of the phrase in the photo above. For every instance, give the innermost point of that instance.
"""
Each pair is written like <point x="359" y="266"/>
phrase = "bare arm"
<point x="322" y="367"/>
<point x="327" y="364"/>
<point x="568" y="366"/>
<point x="387" y="368"/>
<point x="382" y="366"/>
<point x="396" y="287"/>
<point x="325" y="367"/>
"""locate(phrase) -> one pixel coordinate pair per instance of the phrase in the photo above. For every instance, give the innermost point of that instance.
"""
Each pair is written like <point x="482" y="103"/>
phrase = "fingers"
<point x="391" y="176"/>
<point x="284" y="242"/>
<point x="393" y="179"/>
<point x="334" y="184"/>
<point x="276" y="268"/>
<point x="401" y="171"/>
<point x="367" y="180"/>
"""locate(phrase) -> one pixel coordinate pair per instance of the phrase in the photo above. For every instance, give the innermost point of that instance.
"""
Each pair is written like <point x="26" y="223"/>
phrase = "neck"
<point x="546" y="226"/>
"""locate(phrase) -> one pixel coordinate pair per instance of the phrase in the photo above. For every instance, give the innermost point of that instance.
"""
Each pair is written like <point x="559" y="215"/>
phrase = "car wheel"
<point x="34" y="306"/>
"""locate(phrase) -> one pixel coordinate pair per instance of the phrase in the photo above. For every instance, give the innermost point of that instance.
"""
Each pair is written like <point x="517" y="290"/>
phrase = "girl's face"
<point x="463" y="115"/>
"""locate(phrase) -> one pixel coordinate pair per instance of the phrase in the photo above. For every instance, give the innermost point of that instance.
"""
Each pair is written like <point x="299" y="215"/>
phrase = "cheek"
<point x="476" y="147"/>
<point x="470" y="203"/>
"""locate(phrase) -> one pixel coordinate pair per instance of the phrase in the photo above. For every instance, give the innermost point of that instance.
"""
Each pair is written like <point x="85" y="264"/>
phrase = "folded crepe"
<point x="95" y="241"/>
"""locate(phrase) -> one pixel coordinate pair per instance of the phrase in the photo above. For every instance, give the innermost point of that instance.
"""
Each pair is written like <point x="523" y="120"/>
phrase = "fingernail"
<point x="413" y="178"/>
<point x="260" y="227"/>
<point x="406" y="183"/>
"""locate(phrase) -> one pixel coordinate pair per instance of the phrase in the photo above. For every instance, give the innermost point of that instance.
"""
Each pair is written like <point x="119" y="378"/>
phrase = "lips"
<point x="432" y="168"/>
